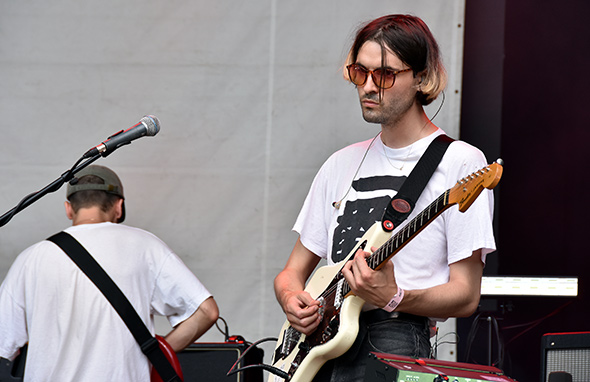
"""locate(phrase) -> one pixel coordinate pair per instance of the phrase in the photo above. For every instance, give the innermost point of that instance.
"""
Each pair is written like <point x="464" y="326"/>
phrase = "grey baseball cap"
<point x="112" y="183"/>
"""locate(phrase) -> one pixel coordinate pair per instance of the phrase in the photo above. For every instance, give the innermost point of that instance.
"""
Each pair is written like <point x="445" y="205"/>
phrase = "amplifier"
<point x="393" y="368"/>
<point x="566" y="352"/>
<point x="13" y="371"/>
<point x="8" y="372"/>
<point x="210" y="362"/>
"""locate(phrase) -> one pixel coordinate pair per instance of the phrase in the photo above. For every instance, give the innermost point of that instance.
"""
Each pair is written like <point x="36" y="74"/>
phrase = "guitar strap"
<point x="149" y="345"/>
<point x="403" y="202"/>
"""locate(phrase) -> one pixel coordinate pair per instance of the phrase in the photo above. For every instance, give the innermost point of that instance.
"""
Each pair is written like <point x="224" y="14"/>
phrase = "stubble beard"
<point x="386" y="113"/>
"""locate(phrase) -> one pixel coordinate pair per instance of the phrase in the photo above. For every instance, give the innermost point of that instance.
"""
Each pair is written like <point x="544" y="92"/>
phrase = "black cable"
<point x="269" y="368"/>
<point x="471" y="336"/>
<point x="500" y="360"/>
<point x="439" y="341"/>
<point x="439" y="107"/>
<point x="226" y="332"/>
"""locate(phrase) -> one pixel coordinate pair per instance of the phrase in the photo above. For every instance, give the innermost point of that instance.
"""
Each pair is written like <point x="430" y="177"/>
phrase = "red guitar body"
<point x="171" y="356"/>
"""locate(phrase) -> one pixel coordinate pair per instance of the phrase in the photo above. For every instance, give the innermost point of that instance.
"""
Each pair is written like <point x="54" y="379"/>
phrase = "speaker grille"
<point x="574" y="361"/>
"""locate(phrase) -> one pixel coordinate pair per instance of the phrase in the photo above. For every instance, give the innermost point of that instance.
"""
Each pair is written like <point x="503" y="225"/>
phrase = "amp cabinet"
<point x="566" y="352"/>
<point x="210" y="362"/>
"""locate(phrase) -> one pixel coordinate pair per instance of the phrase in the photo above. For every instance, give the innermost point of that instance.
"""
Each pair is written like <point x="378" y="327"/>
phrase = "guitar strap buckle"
<point x="396" y="212"/>
<point x="149" y="345"/>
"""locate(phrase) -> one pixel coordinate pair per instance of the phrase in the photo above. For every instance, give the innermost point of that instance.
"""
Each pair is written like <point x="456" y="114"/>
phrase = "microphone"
<point x="149" y="125"/>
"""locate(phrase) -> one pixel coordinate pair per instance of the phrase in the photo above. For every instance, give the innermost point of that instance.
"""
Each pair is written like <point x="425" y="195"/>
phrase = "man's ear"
<point x="118" y="209"/>
<point x="419" y="78"/>
<point x="69" y="210"/>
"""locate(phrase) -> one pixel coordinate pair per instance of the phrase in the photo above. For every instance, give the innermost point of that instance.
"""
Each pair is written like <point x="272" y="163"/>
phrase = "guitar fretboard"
<point x="404" y="235"/>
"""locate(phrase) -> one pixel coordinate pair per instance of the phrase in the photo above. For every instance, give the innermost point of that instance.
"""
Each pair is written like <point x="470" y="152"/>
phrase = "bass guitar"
<point x="300" y="357"/>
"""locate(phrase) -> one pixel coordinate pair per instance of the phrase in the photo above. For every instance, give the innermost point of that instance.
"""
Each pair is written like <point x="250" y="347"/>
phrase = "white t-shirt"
<point x="332" y="233"/>
<point x="74" y="333"/>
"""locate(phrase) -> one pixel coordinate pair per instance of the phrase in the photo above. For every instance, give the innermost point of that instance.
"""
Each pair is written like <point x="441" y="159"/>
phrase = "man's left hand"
<point x="375" y="287"/>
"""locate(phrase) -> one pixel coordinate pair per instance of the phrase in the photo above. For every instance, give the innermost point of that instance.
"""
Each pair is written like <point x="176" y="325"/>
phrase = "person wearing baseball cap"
<point x="97" y="178"/>
<point x="73" y="332"/>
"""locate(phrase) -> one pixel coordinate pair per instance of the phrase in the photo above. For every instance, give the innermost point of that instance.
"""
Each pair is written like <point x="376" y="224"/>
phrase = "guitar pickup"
<point x="338" y="298"/>
<point x="322" y="307"/>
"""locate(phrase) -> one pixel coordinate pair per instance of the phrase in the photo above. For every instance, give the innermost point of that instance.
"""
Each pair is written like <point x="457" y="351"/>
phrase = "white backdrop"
<point x="251" y="101"/>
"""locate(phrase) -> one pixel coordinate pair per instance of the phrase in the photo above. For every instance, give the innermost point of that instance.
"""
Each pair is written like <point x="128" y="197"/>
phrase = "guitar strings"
<point x="426" y="212"/>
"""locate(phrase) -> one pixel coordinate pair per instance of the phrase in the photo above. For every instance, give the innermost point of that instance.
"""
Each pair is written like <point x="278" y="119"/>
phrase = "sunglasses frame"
<point x="372" y="74"/>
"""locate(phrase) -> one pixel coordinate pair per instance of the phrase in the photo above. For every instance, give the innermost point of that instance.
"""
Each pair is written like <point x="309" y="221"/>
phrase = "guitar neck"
<point x="407" y="233"/>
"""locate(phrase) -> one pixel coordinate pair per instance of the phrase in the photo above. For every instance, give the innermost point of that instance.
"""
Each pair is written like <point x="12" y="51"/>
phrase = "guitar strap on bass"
<point x="149" y="345"/>
<point x="403" y="202"/>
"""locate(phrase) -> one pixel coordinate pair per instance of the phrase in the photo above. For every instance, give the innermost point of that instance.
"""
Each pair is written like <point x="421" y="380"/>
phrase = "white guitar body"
<point x="349" y="311"/>
<point x="339" y="344"/>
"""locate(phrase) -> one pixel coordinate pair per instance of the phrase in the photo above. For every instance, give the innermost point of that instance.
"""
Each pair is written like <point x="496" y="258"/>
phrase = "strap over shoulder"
<point x="149" y="345"/>
<point x="404" y="201"/>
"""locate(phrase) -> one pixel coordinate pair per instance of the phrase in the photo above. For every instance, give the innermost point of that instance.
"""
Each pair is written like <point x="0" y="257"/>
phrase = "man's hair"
<point x="410" y="39"/>
<point x="91" y="198"/>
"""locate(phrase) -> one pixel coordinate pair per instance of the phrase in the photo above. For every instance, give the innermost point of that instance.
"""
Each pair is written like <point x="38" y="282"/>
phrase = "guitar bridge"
<point x="290" y="339"/>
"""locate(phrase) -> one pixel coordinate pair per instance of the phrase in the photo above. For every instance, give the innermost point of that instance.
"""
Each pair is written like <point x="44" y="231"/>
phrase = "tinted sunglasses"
<point x="383" y="78"/>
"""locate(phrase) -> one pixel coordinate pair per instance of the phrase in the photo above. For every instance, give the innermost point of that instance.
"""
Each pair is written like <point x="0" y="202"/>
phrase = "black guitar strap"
<point x="149" y="345"/>
<point x="403" y="202"/>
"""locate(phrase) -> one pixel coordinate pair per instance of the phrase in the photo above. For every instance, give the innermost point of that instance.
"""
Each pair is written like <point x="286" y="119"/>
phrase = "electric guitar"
<point x="299" y="356"/>
<point x="172" y="358"/>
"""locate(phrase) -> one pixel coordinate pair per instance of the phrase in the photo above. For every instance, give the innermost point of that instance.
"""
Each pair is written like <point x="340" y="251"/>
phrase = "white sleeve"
<point x="13" y="323"/>
<point x="473" y="229"/>
<point x="178" y="292"/>
<point x="311" y="224"/>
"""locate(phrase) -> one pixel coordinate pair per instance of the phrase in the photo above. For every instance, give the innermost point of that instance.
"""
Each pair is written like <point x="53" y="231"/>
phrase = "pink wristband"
<point x="395" y="301"/>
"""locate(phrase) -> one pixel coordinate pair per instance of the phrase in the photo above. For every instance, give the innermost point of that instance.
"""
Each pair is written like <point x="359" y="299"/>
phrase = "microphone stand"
<point x="52" y="187"/>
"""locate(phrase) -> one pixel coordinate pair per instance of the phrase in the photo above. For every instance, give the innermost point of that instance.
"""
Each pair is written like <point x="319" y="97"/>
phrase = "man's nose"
<point x="370" y="86"/>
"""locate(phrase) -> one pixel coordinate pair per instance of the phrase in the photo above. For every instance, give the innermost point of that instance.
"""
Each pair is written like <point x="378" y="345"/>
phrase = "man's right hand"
<point x="302" y="312"/>
<point x="300" y="308"/>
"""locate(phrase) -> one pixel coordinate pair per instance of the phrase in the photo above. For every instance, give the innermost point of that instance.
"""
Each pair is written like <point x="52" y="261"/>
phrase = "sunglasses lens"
<point x="357" y="74"/>
<point x="384" y="78"/>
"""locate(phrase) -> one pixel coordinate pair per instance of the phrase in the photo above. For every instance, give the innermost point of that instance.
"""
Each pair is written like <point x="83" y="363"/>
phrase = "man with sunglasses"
<point x="397" y="69"/>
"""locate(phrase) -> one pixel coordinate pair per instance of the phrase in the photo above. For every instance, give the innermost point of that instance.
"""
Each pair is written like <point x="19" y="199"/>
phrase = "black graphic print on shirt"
<point x="359" y="215"/>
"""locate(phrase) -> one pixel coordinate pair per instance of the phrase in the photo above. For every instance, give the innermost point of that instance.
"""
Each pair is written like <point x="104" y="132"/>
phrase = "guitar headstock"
<point x="468" y="189"/>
